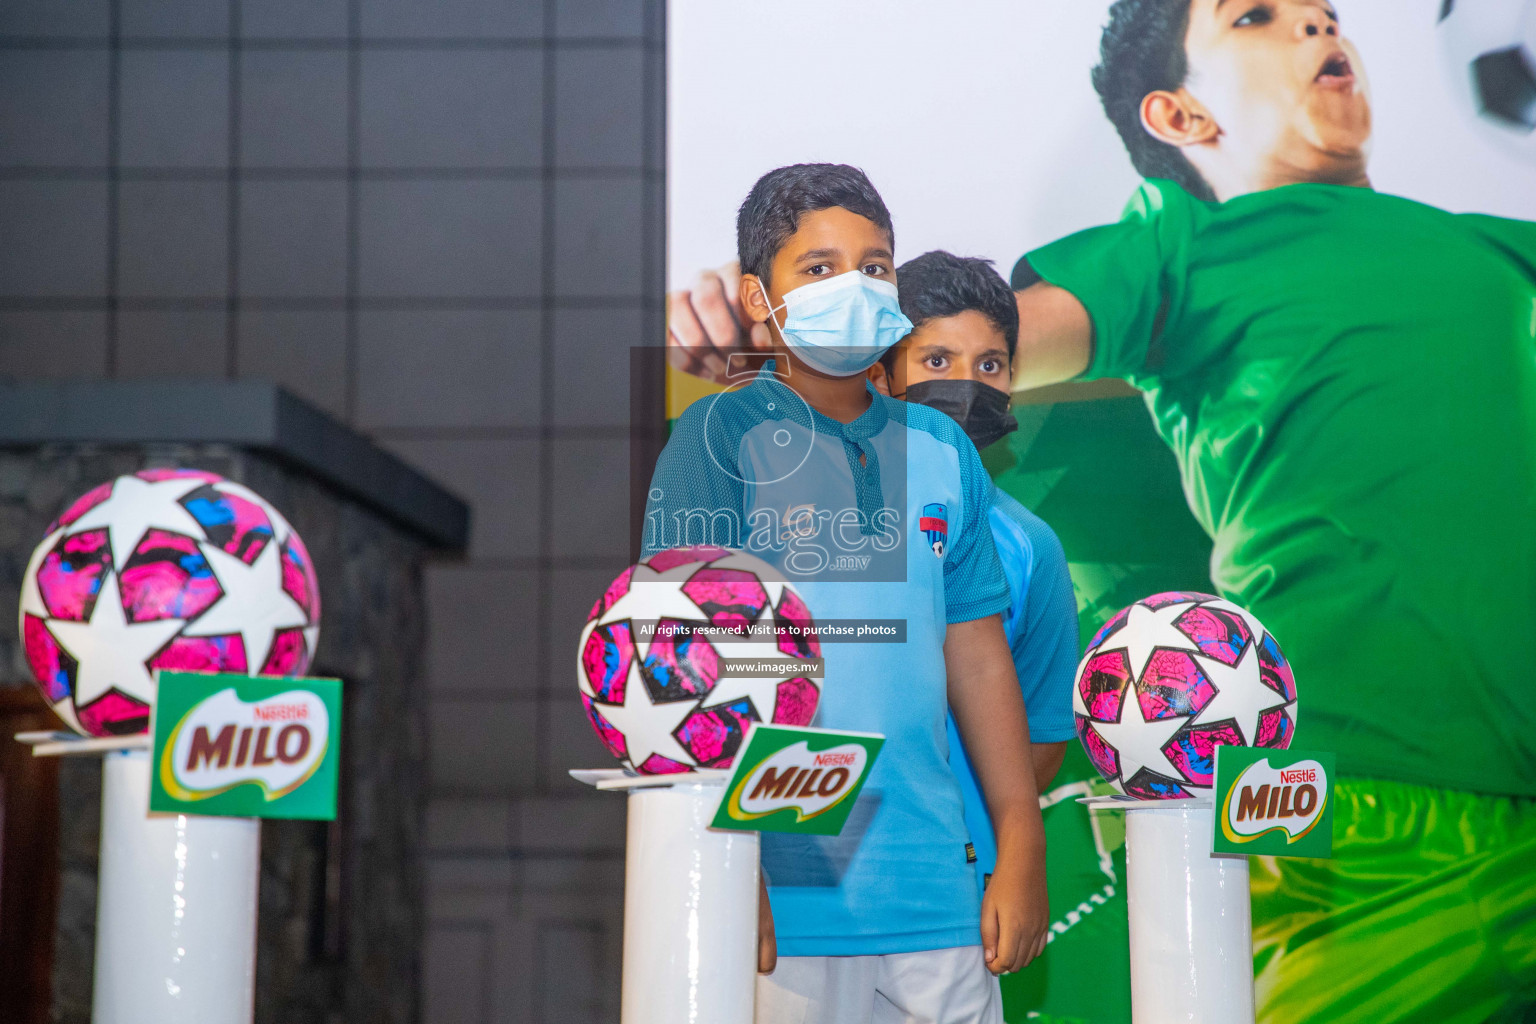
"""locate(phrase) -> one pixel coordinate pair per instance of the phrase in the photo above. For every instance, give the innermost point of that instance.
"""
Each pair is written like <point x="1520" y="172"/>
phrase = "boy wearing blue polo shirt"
<point x="959" y="360"/>
<point x="875" y="509"/>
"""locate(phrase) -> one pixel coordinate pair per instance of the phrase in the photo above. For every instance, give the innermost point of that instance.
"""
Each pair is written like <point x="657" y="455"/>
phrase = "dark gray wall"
<point x="341" y="912"/>
<point x="441" y="220"/>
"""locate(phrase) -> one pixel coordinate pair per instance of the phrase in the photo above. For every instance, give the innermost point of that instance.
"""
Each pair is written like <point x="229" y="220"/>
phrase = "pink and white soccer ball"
<point x="1168" y="680"/>
<point x="657" y="697"/>
<point x="166" y="568"/>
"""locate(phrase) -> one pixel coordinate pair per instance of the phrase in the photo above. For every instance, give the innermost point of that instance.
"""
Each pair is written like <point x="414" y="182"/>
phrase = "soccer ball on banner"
<point x="650" y="671"/>
<point x="1168" y="680"/>
<point x="166" y="568"/>
<point x="1489" y="52"/>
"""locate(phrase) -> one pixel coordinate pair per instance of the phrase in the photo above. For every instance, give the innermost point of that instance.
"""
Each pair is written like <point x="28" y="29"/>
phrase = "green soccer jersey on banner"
<point x="1348" y="382"/>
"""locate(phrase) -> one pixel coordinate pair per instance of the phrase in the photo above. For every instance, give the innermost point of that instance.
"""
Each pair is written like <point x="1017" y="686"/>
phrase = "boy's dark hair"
<point x="771" y="212"/>
<point x="939" y="284"/>
<point x="1142" y="51"/>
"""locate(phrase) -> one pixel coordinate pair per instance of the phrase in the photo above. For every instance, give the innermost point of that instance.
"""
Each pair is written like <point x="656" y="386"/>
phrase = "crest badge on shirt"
<point x="934" y="523"/>
<point x="799" y="521"/>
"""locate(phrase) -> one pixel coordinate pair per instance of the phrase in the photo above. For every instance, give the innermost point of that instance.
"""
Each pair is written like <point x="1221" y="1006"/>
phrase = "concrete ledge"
<point x="249" y="414"/>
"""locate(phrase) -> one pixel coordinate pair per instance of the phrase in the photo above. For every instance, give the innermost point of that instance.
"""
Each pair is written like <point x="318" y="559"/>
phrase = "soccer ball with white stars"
<point x="1168" y="680"/>
<point x="166" y="568"/>
<point x="650" y="673"/>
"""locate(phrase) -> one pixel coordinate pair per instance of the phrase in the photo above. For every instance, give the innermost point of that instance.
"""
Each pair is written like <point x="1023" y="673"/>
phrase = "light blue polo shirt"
<point x="1041" y="625"/>
<point x="881" y="518"/>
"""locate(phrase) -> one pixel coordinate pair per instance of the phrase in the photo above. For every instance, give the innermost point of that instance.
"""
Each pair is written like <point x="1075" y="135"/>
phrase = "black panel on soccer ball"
<point x="1506" y="87"/>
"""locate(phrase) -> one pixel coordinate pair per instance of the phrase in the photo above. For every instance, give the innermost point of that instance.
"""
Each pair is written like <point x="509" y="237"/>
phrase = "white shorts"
<point x="937" y="986"/>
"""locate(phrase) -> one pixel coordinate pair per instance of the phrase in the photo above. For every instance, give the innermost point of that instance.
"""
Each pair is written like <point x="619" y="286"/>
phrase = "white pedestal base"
<point x="1191" y="931"/>
<point x="690" y="903"/>
<point x="176" y="908"/>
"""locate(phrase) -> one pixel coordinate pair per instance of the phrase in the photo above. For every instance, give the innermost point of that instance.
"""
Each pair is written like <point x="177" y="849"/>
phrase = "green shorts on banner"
<point x="1422" y="916"/>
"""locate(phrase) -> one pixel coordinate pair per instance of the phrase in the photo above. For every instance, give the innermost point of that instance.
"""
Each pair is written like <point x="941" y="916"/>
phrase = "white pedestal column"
<point x="1191" y="931"/>
<point x="690" y="911"/>
<point x="176" y="908"/>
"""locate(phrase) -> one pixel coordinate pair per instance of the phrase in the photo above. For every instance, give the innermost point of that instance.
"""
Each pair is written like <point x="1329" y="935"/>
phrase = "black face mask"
<point x="980" y="409"/>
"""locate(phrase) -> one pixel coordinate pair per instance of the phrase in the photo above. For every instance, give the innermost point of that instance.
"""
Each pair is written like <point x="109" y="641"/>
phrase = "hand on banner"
<point x="705" y="325"/>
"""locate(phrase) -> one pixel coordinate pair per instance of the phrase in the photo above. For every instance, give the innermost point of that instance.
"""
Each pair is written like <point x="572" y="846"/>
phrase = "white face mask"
<point x="841" y="325"/>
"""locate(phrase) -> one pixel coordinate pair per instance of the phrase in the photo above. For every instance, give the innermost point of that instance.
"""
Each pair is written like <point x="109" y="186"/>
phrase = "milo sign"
<point x="794" y="779"/>
<point x="247" y="747"/>
<point x="1273" y="802"/>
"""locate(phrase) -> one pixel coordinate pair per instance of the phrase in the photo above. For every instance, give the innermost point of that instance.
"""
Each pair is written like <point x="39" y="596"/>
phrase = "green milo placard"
<point x="794" y="779"/>
<point x="243" y="746"/>
<point x="1273" y="802"/>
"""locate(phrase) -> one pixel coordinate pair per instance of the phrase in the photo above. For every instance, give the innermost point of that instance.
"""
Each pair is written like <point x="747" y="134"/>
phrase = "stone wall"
<point x="341" y="923"/>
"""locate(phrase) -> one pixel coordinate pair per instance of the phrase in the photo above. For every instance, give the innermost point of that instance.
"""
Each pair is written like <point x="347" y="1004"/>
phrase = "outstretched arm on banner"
<point x="1055" y="337"/>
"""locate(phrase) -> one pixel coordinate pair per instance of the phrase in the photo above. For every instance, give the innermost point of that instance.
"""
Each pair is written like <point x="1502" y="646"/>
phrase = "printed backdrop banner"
<point x="977" y="122"/>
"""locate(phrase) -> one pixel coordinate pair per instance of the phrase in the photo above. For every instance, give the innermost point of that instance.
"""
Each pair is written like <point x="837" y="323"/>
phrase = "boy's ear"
<point x="1177" y="118"/>
<point x="880" y="379"/>
<point x="754" y="301"/>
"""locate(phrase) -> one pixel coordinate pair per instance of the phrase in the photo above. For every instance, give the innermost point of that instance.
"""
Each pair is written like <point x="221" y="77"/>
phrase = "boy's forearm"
<point x="989" y="712"/>
<point x="1017" y="825"/>
<point x="1018" y="832"/>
